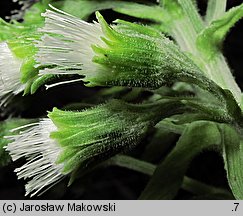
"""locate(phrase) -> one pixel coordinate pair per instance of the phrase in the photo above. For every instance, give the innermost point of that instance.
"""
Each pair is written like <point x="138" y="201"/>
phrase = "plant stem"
<point x="215" y="9"/>
<point x="217" y="69"/>
<point x="193" y="15"/>
<point x="133" y="164"/>
<point x="189" y="184"/>
<point x="199" y="188"/>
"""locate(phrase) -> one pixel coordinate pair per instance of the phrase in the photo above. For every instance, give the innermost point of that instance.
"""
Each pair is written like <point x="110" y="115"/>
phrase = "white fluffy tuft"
<point x="9" y="74"/>
<point x="33" y="142"/>
<point x="67" y="44"/>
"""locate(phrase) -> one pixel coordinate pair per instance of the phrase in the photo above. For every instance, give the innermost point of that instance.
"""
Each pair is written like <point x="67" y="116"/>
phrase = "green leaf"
<point x="149" y="12"/>
<point x="162" y="140"/>
<point x="39" y="81"/>
<point x="232" y="153"/>
<point x="84" y="8"/>
<point x="11" y="30"/>
<point x="210" y="40"/>
<point x="168" y="176"/>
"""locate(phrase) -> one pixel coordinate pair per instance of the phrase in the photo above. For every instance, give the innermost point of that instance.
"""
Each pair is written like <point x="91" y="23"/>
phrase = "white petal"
<point x="9" y="74"/>
<point x="34" y="143"/>
<point x="70" y="49"/>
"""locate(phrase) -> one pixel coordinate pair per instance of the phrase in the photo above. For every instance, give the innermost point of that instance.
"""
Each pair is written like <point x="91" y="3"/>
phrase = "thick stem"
<point x="219" y="71"/>
<point x="189" y="184"/>
<point x="193" y="15"/>
<point x="216" y="69"/>
<point x="184" y="34"/>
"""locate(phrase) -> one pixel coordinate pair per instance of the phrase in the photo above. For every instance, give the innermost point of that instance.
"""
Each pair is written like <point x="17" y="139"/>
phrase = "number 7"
<point x="236" y="206"/>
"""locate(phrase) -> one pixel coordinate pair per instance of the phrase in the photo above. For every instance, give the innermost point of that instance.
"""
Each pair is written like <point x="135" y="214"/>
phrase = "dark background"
<point x="116" y="183"/>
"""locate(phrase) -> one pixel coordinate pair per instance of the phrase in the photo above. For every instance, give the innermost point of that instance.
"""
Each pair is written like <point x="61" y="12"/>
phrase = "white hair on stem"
<point x="33" y="142"/>
<point x="67" y="44"/>
<point x="10" y="74"/>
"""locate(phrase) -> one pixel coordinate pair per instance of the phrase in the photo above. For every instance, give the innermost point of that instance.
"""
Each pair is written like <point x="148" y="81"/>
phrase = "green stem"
<point x="189" y="184"/>
<point x="184" y="34"/>
<point x="191" y="11"/>
<point x="215" y="10"/>
<point x="200" y="188"/>
<point x="133" y="164"/>
<point x="217" y="69"/>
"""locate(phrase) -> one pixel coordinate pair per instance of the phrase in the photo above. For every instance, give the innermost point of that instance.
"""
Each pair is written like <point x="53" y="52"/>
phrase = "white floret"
<point x="67" y="44"/>
<point x="33" y="143"/>
<point x="9" y="74"/>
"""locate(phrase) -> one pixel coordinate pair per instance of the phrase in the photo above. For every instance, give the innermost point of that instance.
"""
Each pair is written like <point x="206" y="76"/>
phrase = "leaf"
<point x="210" y="40"/>
<point x="40" y="81"/>
<point x="168" y="176"/>
<point x="149" y="12"/>
<point x="161" y="142"/>
<point x="232" y="153"/>
<point x="214" y="196"/>
<point x="84" y="8"/>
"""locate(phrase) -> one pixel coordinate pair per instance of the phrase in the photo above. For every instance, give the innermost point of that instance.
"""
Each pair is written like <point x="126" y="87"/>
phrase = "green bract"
<point x="135" y="55"/>
<point x="84" y="140"/>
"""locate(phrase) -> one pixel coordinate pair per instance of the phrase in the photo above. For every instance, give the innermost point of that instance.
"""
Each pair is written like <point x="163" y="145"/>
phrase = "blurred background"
<point x="114" y="183"/>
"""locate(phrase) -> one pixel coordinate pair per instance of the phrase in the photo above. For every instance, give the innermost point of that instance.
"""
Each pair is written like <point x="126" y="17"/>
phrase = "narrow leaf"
<point x="168" y="176"/>
<point x="210" y="39"/>
<point x="154" y="13"/>
<point x="232" y="154"/>
<point x="84" y="8"/>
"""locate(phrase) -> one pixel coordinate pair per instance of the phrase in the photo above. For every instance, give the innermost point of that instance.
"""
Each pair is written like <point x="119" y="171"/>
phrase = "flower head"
<point x="33" y="143"/>
<point x="123" y="54"/>
<point x="69" y="141"/>
<point x="70" y="50"/>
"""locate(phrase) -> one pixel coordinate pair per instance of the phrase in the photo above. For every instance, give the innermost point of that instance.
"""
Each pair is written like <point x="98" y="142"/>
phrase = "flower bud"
<point x="68" y="141"/>
<point x="125" y="54"/>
